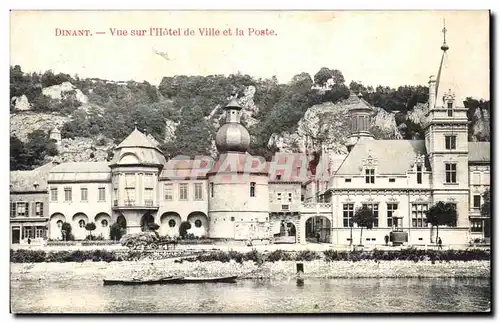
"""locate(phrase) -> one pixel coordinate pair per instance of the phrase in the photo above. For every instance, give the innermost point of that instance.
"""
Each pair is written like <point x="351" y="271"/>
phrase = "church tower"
<point x="446" y="139"/>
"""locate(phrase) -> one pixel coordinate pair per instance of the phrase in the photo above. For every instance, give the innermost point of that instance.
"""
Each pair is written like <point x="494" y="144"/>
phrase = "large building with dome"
<point x="240" y="197"/>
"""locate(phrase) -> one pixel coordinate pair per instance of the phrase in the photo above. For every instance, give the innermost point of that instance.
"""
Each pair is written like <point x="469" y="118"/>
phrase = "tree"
<point x="485" y="208"/>
<point x="441" y="213"/>
<point x="154" y="227"/>
<point x="18" y="155"/>
<point x="324" y="74"/>
<point x="185" y="225"/>
<point x="66" y="231"/>
<point x="117" y="230"/>
<point x="364" y="218"/>
<point x="90" y="227"/>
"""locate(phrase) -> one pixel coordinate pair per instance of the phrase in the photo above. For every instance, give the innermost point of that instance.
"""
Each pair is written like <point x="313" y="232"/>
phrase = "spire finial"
<point x="135" y="125"/>
<point x="444" y="47"/>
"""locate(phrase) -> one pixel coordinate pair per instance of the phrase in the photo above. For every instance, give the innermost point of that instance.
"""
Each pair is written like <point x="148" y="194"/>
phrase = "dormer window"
<point x="450" y="109"/>
<point x="370" y="176"/>
<point x="419" y="174"/>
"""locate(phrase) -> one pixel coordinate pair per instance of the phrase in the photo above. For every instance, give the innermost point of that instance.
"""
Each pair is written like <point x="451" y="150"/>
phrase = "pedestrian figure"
<point x="440" y="243"/>
<point x="386" y="238"/>
<point x="29" y="241"/>
<point x="317" y="236"/>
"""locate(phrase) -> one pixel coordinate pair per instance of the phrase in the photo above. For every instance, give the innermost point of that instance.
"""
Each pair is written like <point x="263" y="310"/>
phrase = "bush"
<point x="23" y="256"/>
<point x="185" y="225"/>
<point x="279" y="255"/>
<point x="307" y="255"/>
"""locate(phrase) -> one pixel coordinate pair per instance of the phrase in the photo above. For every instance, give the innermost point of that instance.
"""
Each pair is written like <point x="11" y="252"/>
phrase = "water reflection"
<point x="261" y="296"/>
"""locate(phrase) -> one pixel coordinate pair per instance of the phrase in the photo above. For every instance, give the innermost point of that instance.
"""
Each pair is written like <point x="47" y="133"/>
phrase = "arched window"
<point x="171" y="223"/>
<point x="81" y="223"/>
<point x="59" y="223"/>
<point x="104" y="223"/>
<point x="197" y="223"/>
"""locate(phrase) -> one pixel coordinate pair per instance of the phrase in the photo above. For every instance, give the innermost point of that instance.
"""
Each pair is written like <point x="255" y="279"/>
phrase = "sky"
<point x="390" y="48"/>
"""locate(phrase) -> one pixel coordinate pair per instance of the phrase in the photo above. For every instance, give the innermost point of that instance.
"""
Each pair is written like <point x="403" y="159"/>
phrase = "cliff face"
<point x="328" y="124"/>
<point x="58" y="92"/>
<point x="481" y="125"/>
<point x="23" y="123"/>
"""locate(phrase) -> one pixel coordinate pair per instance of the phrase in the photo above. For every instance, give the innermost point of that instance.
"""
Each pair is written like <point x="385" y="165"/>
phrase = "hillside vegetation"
<point x="183" y="112"/>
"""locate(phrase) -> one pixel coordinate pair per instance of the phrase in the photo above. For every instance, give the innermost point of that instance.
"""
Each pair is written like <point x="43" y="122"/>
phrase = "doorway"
<point x="16" y="235"/>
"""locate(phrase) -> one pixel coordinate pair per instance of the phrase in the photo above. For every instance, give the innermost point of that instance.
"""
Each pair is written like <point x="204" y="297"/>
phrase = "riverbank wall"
<point x="96" y="271"/>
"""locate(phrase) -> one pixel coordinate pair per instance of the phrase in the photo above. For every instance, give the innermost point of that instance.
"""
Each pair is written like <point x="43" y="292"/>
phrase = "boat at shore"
<point x="163" y="280"/>
<point x="187" y="280"/>
<point x="171" y="280"/>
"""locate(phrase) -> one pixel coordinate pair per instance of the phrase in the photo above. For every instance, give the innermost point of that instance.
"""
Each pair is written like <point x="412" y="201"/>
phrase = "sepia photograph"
<point x="250" y="162"/>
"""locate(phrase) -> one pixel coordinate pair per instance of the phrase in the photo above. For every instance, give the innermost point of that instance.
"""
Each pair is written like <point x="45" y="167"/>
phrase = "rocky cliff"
<point x="328" y="125"/>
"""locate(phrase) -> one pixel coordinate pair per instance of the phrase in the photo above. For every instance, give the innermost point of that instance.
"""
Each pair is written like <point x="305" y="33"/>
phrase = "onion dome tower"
<point x="238" y="204"/>
<point x="232" y="136"/>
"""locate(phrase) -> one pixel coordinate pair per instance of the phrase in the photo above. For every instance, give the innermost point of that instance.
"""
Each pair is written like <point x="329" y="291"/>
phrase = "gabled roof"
<point x="81" y="171"/>
<point x="479" y="152"/>
<point x="137" y="139"/>
<point x="392" y="157"/>
<point x="22" y="181"/>
<point x="82" y="167"/>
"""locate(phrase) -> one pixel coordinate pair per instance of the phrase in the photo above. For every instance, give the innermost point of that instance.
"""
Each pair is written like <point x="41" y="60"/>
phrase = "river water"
<point x="256" y="296"/>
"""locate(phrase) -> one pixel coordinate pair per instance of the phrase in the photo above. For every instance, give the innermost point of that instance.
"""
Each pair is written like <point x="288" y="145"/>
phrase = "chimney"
<point x="432" y="92"/>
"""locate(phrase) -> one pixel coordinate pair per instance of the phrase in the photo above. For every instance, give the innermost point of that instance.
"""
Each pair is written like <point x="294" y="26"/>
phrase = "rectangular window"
<point x="13" y="209"/>
<point x="148" y="196"/>
<point x="28" y="232"/>
<point x="392" y="180"/>
<point x="129" y="196"/>
<point x="391" y="207"/>
<point x="102" y="194"/>
<point x="476" y="225"/>
<point x="148" y="180"/>
<point x="183" y="192"/>
<point x="348" y="213"/>
<point x="374" y="208"/>
<point x="168" y="192"/>
<point x="476" y="178"/>
<point x="347" y="180"/>
<point x="450" y="142"/>
<point x="290" y="197"/>
<point x="39" y="209"/>
<point x="419" y="174"/>
<point x="252" y="189"/>
<point x="278" y="177"/>
<point x="278" y="197"/>
<point x="198" y="191"/>
<point x="130" y="180"/>
<point x="477" y="201"/>
<point x="22" y="208"/>
<point x="40" y="232"/>
<point x="418" y="215"/>
<point x="84" y="194"/>
<point x="450" y="109"/>
<point x="68" y="194"/>
<point x="451" y="173"/>
<point x="212" y="189"/>
<point x="370" y="176"/>
<point x="53" y="194"/>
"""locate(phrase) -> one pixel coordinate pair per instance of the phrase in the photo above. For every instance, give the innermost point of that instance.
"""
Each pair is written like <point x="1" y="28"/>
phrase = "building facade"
<point x="292" y="199"/>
